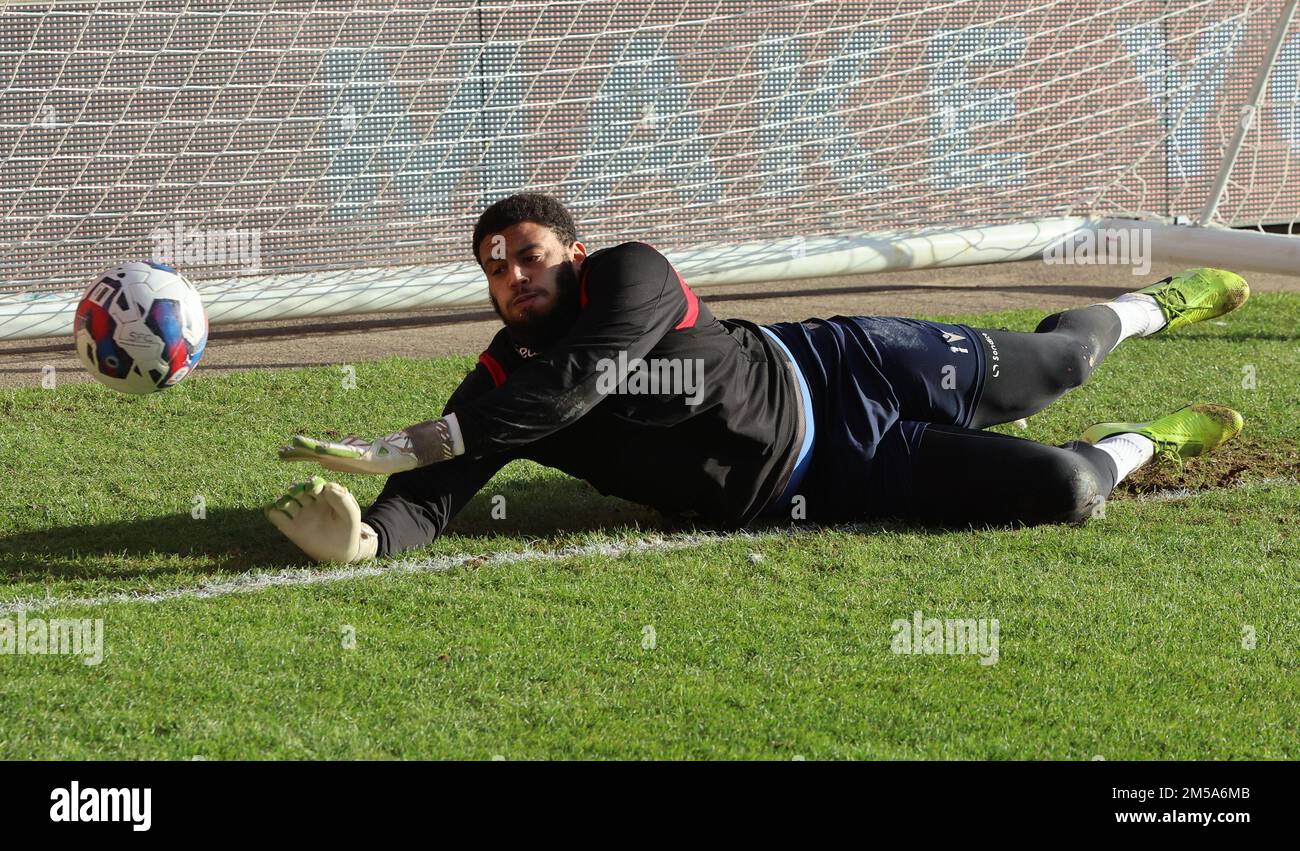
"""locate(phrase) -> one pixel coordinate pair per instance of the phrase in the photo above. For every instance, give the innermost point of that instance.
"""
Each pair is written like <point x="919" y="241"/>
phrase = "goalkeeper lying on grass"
<point x="611" y="370"/>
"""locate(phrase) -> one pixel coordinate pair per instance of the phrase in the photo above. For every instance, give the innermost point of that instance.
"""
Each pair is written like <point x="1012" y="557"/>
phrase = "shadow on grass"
<point x="544" y="509"/>
<point x="227" y="539"/>
<point x="236" y="540"/>
<point x="550" y="506"/>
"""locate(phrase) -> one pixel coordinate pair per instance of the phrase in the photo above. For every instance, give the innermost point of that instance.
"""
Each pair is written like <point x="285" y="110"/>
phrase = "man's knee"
<point x="1083" y="337"/>
<point x="1067" y="364"/>
<point x="1068" y="489"/>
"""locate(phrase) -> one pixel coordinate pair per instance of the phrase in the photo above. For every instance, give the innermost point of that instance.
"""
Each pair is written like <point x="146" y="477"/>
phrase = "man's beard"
<point x="538" y="332"/>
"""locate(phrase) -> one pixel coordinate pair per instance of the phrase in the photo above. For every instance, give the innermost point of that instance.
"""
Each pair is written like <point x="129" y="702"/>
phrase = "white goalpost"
<point x="296" y="159"/>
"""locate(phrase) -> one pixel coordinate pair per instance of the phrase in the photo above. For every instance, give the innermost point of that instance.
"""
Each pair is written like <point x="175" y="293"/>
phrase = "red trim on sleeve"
<point x="692" y="302"/>
<point x="692" y="305"/>
<point x="494" y="368"/>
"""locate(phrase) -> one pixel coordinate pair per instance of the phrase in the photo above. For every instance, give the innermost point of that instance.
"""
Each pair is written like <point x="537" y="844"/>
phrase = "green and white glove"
<point x="414" y="446"/>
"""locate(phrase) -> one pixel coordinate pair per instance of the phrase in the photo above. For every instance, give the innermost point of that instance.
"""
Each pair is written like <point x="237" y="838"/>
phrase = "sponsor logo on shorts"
<point x="994" y="369"/>
<point x="951" y="338"/>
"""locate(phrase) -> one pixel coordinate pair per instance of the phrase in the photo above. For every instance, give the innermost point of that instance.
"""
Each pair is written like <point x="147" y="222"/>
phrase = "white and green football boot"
<point x="1195" y="295"/>
<point x="1185" y="433"/>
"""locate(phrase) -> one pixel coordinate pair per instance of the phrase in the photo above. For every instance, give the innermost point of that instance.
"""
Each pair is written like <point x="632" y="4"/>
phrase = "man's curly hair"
<point x="525" y="207"/>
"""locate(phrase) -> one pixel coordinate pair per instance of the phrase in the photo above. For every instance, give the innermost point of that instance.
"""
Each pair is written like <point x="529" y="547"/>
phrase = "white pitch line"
<point x="261" y="580"/>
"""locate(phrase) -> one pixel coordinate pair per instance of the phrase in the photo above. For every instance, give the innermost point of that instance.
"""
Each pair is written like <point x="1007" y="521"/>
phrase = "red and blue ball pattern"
<point x="131" y="331"/>
<point x="111" y="359"/>
<point x="165" y="321"/>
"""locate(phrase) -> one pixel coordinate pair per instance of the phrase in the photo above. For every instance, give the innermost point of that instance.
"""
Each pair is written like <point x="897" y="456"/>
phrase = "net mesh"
<point x="350" y="135"/>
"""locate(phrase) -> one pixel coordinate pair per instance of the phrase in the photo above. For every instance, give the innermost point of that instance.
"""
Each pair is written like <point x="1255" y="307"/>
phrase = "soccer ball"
<point x="140" y="327"/>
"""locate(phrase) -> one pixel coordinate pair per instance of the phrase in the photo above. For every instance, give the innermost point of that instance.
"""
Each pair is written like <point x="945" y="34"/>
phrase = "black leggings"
<point x="1018" y="480"/>
<point x="1027" y="372"/>
<point x="1005" y="479"/>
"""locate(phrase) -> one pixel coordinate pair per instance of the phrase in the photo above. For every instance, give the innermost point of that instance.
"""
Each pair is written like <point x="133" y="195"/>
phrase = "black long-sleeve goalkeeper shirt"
<point x="720" y="450"/>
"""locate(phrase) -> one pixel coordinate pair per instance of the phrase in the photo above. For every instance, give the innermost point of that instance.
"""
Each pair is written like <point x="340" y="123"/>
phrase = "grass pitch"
<point x="1168" y="629"/>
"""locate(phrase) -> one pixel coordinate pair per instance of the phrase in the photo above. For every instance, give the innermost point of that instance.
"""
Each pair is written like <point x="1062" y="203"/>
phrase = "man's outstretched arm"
<point x="415" y="507"/>
<point x="632" y="298"/>
<point x="323" y="518"/>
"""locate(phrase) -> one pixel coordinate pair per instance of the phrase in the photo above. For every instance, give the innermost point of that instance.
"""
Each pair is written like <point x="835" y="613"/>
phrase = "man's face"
<point x="531" y="275"/>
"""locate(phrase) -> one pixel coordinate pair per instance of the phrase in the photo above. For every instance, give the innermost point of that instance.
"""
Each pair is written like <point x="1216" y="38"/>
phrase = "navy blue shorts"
<point x="876" y="383"/>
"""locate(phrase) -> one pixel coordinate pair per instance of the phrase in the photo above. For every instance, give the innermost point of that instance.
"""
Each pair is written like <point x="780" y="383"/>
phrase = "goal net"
<point x="304" y="158"/>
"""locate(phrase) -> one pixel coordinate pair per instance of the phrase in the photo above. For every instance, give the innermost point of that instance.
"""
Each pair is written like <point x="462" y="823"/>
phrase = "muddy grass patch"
<point x="1240" y="462"/>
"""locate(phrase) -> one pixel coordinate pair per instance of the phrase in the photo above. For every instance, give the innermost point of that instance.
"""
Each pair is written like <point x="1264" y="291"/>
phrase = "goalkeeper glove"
<point x="324" y="520"/>
<point x="414" y="446"/>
